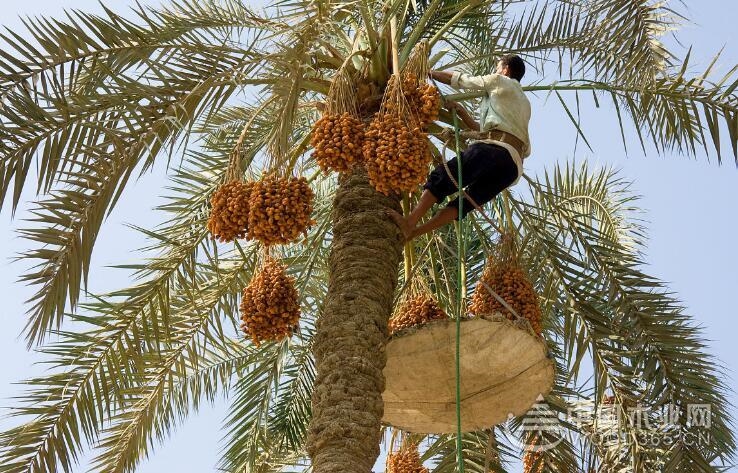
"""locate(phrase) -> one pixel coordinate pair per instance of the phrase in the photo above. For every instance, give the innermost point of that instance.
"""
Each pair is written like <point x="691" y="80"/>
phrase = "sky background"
<point x="689" y="204"/>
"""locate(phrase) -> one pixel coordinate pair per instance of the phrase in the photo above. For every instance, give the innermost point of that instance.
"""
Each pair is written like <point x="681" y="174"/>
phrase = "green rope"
<point x="461" y="282"/>
<point x="461" y="293"/>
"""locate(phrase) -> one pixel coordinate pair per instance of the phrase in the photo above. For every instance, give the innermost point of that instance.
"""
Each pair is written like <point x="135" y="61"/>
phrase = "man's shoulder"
<point x="509" y="81"/>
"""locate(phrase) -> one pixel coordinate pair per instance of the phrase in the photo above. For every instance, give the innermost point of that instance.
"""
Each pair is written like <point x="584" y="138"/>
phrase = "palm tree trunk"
<point x="351" y="334"/>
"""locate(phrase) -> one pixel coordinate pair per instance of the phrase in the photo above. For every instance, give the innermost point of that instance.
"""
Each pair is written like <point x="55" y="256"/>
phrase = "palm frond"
<point x="674" y="112"/>
<point x="98" y="363"/>
<point x="89" y="188"/>
<point x="194" y="324"/>
<point x="271" y="406"/>
<point x="638" y="334"/>
<point x="160" y="59"/>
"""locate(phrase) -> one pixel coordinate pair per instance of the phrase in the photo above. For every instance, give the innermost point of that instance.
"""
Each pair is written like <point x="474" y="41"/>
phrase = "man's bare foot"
<point x="405" y="228"/>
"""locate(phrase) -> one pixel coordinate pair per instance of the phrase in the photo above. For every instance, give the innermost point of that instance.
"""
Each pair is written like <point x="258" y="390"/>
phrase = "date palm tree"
<point x="89" y="101"/>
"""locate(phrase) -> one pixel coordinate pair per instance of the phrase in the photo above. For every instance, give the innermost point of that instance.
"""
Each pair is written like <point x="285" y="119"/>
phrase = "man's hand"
<point x="451" y="106"/>
<point x="446" y="135"/>
<point x="462" y="114"/>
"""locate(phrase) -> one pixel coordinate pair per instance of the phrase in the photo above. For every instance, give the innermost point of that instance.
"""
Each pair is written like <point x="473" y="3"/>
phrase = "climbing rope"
<point x="460" y="271"/>
<point x="461" y="291"/>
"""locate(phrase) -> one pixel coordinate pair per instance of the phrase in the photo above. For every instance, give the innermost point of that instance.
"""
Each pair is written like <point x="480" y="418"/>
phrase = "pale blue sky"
<point x="690" y="207"/>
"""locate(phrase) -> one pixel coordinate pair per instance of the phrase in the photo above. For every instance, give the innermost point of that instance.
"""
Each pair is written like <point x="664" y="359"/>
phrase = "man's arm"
<point x="442" y="76"/>
<point x="459" y="80"/>
<point x="463" y="114"/>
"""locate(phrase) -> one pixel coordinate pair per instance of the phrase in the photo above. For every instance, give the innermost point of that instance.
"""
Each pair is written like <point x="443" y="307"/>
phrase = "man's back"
<point x="508" y="109"/>
<point x="504" y="106"/>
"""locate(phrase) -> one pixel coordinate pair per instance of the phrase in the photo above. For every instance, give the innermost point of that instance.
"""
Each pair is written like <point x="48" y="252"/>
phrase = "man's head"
<point x="511" y="66"/>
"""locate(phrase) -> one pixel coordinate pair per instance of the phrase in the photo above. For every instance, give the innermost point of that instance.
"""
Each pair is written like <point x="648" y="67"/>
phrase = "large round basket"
<point x="503" y="371"/>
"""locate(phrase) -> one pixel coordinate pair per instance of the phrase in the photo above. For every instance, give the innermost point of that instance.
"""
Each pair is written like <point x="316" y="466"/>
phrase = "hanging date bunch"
<point x="415" y="310"/>
<point x="337" y="137"/>
<point x="279" y="209"/>
<point x="229" y="204"/>
<point x="423" y="98"/>
<point x="506" y="278"/>
<point x="396" y="150"/>
<point x="405" y="460"/>
<point x="270" y="308"/>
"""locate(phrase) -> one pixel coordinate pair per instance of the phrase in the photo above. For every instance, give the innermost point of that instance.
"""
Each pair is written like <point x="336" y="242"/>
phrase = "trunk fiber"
<point x="351" y="334"/>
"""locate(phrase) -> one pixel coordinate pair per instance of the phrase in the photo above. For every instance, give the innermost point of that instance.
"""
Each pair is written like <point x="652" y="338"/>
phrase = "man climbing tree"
<point x="491" y="163"/>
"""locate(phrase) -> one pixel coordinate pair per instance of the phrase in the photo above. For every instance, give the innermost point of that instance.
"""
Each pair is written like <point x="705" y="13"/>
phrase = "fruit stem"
<point x="395" y="51"/>
<point x="508" y="213"/>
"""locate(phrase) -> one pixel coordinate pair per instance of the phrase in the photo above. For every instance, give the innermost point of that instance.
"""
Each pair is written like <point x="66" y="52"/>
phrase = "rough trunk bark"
<point x="351" y="334"/>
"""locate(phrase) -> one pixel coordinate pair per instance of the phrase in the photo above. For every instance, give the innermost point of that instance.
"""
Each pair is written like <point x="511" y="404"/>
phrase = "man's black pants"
<point x="486" y="170"/>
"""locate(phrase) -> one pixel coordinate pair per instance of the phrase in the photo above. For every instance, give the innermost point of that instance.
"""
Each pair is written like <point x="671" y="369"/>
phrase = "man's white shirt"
<point x="504" y="107"/>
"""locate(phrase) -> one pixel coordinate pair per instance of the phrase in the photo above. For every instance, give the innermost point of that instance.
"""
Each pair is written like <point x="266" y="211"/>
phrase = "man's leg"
<point x="427" y="200"/>
<point x="443" y="217"/>
<point x="438" y="186"/>
<point x="407" y="225"/>
<point x="488" y="170"/>
<point x="497" y="173"/>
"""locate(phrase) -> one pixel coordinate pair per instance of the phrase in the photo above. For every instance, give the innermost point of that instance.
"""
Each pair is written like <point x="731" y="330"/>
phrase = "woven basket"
<point x="503" y="371"/>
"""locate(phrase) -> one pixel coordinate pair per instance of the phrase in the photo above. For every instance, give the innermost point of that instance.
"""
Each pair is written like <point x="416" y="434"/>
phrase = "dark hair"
<point x="515" y="65"/>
